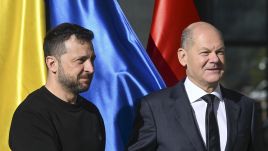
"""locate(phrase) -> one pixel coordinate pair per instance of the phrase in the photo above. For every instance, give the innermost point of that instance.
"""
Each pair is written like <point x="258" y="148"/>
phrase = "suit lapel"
<point x="185" y="117"/>
<point x="232" y="114"/>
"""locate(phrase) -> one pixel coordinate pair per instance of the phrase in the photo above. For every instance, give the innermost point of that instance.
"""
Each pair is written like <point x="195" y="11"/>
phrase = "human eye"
<point x="220" y="52"/>
<point x="92" y="58"/>
<point x="204" y="53"/>
<point x="80" y="60"/>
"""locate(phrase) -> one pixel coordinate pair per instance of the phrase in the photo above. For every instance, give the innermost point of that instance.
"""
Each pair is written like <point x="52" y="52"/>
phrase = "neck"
<point x="62" y="93"/>
<point x="209" y="88"/>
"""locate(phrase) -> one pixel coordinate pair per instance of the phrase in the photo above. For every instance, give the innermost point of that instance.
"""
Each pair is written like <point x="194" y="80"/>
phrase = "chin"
<point x="83" y="87"/>
<point x="213" y="82"/>
<point x="214" y="79"/>
<point x="83" y="90"/>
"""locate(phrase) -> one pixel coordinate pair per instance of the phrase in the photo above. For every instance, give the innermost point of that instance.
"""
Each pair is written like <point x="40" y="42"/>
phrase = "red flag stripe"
<point x="162" y="66"/>
<point x="169" y="19"/>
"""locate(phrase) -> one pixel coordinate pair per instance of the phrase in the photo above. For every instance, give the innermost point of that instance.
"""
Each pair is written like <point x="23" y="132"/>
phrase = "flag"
<point x="123" y="71"/>
<point x="170" y="17"/>
<point x="22" y="65"/>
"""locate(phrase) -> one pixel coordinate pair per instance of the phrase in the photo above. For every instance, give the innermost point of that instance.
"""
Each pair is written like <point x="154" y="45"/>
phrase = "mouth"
<point x="86" y="78"/>
<point x="215" y="69"/>
<point x="84" y="81"/>
<point x="212" y="69"/>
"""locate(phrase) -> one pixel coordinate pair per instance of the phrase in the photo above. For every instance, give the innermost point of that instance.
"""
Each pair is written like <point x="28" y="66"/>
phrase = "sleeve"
<point x="102" y="131"/>
<point x="257" y="138"/>
<point x="144" y="132"/>
<point x="31" y="132"/>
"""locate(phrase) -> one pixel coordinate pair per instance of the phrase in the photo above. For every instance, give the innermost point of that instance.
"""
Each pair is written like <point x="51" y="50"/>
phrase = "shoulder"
<point x="31" y="113"/>
<point x="170" y="92"/>
<point x="237" y="97"/>
<point x="158" y="95"/>
<point x="89" y="106"/>
<point x="165" y="96"/>
<point x="34" y="101"/>
<point x="35" y="106"/>
<point x="31" y="119"/>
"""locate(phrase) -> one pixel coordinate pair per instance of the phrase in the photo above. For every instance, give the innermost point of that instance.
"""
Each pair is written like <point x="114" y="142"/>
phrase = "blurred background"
<point x="244" y="26"/>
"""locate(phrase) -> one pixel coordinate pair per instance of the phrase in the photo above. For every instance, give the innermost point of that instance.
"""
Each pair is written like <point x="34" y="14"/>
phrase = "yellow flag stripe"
<point x="22" y="65"/>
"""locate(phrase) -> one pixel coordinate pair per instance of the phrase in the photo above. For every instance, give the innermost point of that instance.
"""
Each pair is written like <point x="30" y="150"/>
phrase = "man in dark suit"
<point x="182" y="118"/>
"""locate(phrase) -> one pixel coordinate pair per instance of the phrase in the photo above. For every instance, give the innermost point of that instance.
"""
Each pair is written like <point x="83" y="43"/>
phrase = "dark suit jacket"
<point x="165" y="122"/>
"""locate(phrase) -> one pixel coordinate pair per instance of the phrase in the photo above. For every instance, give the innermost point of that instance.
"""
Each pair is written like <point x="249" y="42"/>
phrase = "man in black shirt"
<point x="55" y="117"/>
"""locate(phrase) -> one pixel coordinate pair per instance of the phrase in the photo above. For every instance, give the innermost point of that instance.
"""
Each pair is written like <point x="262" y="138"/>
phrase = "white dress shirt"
<point x="199" y="105"/>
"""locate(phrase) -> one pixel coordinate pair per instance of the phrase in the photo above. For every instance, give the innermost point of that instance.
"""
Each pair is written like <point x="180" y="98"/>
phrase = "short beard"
<point x="69" y="82"/>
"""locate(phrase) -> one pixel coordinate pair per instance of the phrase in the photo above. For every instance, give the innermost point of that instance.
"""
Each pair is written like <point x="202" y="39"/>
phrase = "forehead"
<point x="74" y="43"/>
<point x="207" y="37"/>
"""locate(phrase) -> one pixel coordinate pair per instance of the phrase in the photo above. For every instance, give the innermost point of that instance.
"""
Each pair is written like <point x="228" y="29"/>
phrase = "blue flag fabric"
<point x="123" y="71"/>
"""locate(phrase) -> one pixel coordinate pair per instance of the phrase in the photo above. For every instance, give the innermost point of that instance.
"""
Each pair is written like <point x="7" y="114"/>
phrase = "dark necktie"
<point x="212" y="129"/>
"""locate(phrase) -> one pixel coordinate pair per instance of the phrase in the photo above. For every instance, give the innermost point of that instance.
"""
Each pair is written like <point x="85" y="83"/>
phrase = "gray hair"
<point x="186" y="37"/>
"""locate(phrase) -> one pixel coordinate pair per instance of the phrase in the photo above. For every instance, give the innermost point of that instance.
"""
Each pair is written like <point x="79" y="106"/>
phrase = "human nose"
<point x="213" y="57"/>
<point x="89" y="67"/>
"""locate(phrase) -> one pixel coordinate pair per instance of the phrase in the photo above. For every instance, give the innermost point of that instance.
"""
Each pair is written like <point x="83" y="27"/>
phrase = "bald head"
<point x="202" y="55"/>
<point x="196" y="29"/>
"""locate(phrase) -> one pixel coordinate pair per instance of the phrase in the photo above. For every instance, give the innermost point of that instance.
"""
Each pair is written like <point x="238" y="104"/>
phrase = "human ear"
<point x="52" y="64"/>
<point x="182" y="56"/>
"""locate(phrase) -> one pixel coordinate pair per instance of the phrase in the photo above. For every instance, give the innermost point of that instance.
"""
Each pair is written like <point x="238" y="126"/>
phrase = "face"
<point x="75" y="70"/>
<point x="204" y="59"/>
